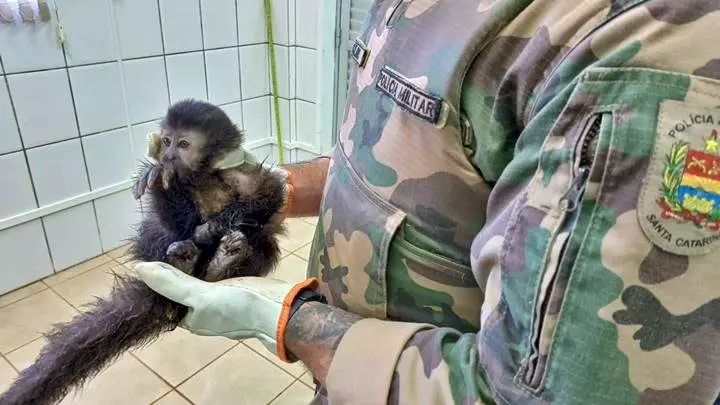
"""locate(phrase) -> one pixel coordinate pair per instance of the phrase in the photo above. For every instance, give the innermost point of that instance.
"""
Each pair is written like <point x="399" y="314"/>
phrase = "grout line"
<point x="280" y="393"/>
<point x="164" y="55"/>
<point x="25" y="297"/>
<point x="2" y="356"/>
<point x="132" y="354"/>
<point x="202" y="41"/>
<point x="207" y="365"/>
<point x="267" y="359"/>
<point x="20" y="347"/>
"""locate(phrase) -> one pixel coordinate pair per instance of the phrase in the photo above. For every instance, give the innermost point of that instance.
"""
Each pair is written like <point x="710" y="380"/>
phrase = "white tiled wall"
<point x="74" y="114"/>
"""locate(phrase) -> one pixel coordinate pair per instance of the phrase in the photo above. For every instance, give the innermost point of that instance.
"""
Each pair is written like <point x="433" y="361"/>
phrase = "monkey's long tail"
<point x="132" y="316"/>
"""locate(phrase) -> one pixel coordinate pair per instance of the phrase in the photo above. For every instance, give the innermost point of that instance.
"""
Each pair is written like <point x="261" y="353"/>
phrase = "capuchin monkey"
<point x="208" y="217"/>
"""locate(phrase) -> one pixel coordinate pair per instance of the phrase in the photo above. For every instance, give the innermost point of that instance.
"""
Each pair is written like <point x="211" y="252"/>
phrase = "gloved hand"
<point x="238" y="308"/>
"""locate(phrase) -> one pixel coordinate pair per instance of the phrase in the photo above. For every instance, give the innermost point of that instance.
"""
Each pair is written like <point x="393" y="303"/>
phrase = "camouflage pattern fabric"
<point x="536" y="185"/>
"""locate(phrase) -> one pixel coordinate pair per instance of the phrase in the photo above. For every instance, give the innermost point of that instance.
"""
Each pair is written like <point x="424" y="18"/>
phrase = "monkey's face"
<point x="181" y="152"/>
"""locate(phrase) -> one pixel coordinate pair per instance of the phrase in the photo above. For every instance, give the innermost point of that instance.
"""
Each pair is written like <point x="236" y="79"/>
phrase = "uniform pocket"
<point x="350" y="252"/>
<point x="426" y="287"/>
<point x="590" y="238"/>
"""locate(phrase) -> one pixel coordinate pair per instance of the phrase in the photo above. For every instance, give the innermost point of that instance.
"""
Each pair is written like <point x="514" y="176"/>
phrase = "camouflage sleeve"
<point x="411" y="363"/>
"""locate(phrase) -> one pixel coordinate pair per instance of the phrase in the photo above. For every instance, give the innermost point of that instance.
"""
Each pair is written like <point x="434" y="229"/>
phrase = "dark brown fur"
<point x="202" y="223"/>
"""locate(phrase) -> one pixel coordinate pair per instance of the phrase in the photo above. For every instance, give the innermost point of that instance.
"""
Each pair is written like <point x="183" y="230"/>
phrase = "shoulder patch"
<point x="679" y="207"/>
<point x="409" y="96"/>
<point x="359" y="52"/>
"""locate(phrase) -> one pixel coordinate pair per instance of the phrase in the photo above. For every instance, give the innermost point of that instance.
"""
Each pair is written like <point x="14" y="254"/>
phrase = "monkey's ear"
<point x="153" y="147"/>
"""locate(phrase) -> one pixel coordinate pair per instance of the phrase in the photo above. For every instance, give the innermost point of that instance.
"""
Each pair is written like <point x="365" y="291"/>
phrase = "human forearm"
<point x="384" y="362"/>
<point x="314" y="333"/>
<point x="307" y="180"/>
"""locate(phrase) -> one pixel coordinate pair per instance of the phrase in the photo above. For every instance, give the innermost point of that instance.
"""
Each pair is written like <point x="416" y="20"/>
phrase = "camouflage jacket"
<point x="524" y="203"/>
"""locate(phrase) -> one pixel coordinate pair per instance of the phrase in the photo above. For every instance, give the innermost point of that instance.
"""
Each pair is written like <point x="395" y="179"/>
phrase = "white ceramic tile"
<point x="116" y="214"/>
<point x="88" y="29"/>
<point x="306" y="23"/>
<point x="25" y="256"/>
<point x="58" y="171"/>
<point x="255" y="71"/>
<point x="44" y="106"/>
<point x="251" y="22"/>
<point x="186" y="76"/>
<point x="304" y="156"/>
<point x="292" y="71"/>
<point x="282" y="63"/>
<point x="285" y="120"/>
<point x="98" y="97"/>
<point x="292" y="22"/>
<point x="9" y="135"/>
<point x="264" y="152"/>
<point x="109" y="157"/>
<point x="139" y="138"/>
<point x="223" y="75"/>
<point x="305" y="122"/>
<point x="181" y="25"/>
<point x="146" y="88"/>
<point x="257" y="119"/>
<point x="138" y="25"/>
<point x="15" y="183"/>
<point x="306" y="74"/>
<point x="235" y="113"/>
<point x="218" y="23"/>
<point x="30" y="47"/>
<point x="280" y="21"/>
<point x="84" y="243"/>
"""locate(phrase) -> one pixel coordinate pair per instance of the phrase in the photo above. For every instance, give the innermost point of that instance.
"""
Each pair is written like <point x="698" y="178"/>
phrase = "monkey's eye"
<point x="183" y="144"/>
<point x="166" y="140"/>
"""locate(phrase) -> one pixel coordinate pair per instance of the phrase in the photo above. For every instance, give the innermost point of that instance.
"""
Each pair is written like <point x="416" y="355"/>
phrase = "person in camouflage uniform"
<point x="523" y="207"/>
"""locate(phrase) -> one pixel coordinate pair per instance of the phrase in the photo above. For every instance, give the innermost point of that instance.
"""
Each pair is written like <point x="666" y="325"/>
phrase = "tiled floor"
<point x="180" y="368"/>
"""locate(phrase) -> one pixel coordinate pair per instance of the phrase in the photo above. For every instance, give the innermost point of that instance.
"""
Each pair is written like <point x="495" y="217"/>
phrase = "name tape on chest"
<point x="409" y="96"/>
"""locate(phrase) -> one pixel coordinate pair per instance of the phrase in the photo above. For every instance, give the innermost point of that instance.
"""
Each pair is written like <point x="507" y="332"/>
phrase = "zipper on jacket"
<point x="569" y="204"/>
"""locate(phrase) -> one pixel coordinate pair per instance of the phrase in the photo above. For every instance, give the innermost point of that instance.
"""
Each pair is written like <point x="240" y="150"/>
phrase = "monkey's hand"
<point x="208" y="233"/>
<point x="148" y="177"/>
<point x="238" y="308"/>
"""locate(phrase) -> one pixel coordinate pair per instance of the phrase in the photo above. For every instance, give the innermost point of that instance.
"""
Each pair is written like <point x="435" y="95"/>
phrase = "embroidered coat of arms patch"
<point x="680" y="203"/>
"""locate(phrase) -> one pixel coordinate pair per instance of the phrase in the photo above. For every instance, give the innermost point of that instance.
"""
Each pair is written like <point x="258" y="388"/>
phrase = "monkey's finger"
<point x="170" y="282"/>
<point x="152" y="178"/>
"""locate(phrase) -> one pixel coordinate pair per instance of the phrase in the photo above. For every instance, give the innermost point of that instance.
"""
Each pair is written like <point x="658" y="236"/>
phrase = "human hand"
<point x="239" y="308"/>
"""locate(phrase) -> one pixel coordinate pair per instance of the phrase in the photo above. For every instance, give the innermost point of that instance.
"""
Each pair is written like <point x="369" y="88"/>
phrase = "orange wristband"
<point x="285" y="316"/>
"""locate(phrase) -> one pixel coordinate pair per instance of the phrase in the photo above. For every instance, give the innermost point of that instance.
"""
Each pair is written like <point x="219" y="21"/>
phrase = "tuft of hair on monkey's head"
<point x="195" y="134"/>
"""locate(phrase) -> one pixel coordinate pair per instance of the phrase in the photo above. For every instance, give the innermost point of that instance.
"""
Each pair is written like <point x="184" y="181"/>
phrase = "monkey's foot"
<point x="233" y="249"/>
<point x="183" y="255"/>
<point x="206" y="233"/>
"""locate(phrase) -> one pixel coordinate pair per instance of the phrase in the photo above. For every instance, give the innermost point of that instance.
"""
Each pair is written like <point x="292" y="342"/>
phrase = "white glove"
<point x="238" y="308"/>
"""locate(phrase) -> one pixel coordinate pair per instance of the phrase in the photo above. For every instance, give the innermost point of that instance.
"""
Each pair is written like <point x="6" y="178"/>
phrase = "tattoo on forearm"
<point x="314" y="333"/>
<point x="319" y="323"/>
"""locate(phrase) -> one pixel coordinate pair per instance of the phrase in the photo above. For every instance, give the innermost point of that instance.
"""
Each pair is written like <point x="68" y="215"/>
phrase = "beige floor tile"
<point x="24" y="321"/>
<point x="126" y="381"/>
<point x="298" y="234"/>
<point x="307" y="379"/>
<point x="311" y="220"/>
<point x="304" y="252"/>
<point x="77" y="270"/>
<point x="24" y="356"/>
<point x="20" y="293"/>
<point x="172" y="398"/>
<point x="118" y="253"/>
<point x="296" y="369"/>
<point x="7" y="374"/>
<point x="291" y="269"/>
<point x="82" y="289"/>
<point x="297" y="394"/>
<point x="179" y="354"/>
<point x="238" y="377"/>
